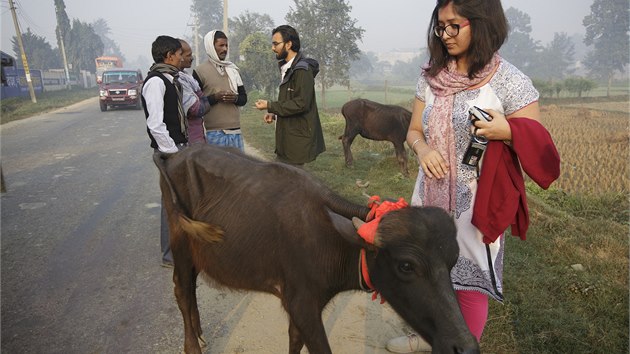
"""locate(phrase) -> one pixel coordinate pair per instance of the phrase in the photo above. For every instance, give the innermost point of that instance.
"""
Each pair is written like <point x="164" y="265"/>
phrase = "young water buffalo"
<point x="376" y="121"/>
<point x="270" y="227"/>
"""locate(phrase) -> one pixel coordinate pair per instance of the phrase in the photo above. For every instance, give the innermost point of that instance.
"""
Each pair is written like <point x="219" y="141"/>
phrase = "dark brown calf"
<point x="376" y="121"/>
<point x="270" y="227"/>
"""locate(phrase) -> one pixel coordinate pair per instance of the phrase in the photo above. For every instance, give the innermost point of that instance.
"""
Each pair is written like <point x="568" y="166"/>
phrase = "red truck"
<point x="104" y="63"/>
<point x="120" y="87"/>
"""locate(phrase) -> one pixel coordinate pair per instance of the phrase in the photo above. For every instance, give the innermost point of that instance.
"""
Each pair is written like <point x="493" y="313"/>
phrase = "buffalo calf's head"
<point x="411" y="270"/>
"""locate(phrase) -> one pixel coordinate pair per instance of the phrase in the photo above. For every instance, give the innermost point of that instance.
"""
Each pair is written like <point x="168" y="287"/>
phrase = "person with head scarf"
<point x="221" y="83"/>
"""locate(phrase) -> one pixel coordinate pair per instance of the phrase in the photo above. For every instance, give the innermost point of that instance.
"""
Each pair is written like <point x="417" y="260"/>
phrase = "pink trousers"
<point x="474" y="307"/>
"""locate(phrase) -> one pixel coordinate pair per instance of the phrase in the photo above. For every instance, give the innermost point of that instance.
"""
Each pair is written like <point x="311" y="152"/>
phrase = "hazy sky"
<point x="136" y="23"/>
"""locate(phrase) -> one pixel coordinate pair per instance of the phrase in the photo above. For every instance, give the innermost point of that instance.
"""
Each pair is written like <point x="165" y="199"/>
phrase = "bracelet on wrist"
<point x="414" y="145"/>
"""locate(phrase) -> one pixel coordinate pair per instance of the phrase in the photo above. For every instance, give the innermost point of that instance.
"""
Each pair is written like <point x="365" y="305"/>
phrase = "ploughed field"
<point x="593" y="143"/>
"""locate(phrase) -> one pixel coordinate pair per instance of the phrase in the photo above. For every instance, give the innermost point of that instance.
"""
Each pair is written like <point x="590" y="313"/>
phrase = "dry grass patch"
<point x="593" y="146"/>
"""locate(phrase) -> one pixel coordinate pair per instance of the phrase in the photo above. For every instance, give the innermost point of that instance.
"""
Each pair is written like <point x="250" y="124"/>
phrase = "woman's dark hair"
<point x="488" y="27"/>
<point x="288" y="33"/>
<point x="162" y="46"/>
<point x="219" y="34"/>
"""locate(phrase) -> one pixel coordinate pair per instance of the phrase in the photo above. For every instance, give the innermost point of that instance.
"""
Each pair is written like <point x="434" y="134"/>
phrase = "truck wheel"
<point x="103" y="107"/>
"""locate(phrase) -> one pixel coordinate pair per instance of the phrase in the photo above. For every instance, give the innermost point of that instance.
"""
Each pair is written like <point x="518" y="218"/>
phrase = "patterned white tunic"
<point x="479" y="266"/>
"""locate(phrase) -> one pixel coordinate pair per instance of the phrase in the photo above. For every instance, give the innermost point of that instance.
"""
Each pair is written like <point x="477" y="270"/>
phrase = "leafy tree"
<point x="580" y="48"/>
<point x="63" y="23"/>
<point x="555" y="61"/>
<point x="558" y="87"/>
<point x="544" y="87"/>
<point x="84" y="47"/>
<point x="62" y="31"/>
<point x="329" y="35"/>
<point x="363" y="66"/>
<point x="607" y="29"/>
<point x="258" y="67"/>
<point x="409" y="71"/>
<point x="209" y="13"/>
<point x="38" y="51"/>
<point x="244" y="25"/>
<point x="110" y="47"/>
<point x="520" y="49"/>
<point x="579" y="85"/>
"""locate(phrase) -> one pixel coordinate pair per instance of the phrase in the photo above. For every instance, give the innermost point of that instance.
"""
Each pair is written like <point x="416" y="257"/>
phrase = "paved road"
<point x="80" y="257"/>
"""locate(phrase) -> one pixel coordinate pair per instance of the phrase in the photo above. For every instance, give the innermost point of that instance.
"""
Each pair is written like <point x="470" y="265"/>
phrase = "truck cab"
<point x="120" y="87"/>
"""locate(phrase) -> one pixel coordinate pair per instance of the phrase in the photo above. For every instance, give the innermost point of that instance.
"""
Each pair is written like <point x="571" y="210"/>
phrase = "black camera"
<point x="477" y="143"/>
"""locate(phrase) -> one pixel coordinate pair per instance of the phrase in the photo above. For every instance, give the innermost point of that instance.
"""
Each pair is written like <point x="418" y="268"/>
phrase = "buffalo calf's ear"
<point x="347" y="231"/>
<point x="368" y="231"/>
<point x="357" y="223"/>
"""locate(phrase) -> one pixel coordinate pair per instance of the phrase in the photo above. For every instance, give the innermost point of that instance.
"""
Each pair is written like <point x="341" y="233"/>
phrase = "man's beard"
<point x="282" y="55"/>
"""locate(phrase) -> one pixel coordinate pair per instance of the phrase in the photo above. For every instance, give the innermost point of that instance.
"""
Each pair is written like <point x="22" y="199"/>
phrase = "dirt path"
<point x="256" y="323"/>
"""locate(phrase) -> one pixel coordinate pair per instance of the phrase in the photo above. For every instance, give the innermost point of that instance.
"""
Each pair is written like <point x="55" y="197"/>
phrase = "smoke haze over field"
<point x="401" y="25"/>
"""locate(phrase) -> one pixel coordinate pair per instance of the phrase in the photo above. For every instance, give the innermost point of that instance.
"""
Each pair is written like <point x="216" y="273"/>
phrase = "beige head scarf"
<point x="223" y="66"/>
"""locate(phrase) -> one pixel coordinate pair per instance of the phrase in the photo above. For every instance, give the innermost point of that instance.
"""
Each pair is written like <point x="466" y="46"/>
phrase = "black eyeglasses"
<point x="451" y="30"/>
<point x="275" y="44"/>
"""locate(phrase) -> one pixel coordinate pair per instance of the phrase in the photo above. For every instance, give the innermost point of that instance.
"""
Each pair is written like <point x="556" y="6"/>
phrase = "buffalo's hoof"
<point x="202" y="342"/>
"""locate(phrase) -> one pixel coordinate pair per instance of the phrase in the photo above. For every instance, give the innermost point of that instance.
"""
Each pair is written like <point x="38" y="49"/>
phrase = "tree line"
<point x="82" y="43"/>
<point x="331" y="36"/>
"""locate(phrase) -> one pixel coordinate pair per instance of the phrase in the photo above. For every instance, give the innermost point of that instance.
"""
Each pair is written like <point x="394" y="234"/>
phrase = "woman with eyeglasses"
<point x="487" y="196"/>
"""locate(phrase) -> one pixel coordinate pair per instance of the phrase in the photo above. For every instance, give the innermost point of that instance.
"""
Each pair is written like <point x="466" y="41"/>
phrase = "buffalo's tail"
<point x="198" y="229"/>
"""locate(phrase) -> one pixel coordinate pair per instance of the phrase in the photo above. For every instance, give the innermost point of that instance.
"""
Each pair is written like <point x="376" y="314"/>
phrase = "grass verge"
<point x="15" y="108"/>
<point x="550" y="307"/>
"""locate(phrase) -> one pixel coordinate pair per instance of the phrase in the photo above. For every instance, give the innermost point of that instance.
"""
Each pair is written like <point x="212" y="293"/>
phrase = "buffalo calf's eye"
<point x="405" y="267"/>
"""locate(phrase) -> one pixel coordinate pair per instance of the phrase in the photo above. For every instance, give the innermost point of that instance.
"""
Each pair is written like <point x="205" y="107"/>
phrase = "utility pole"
<point x="65" y="60"/>
<point x="196" y="34"/>
<point x="225" y="17"/>
<point x="62" y="47"/>
<point x="195" y="44"/>
<point x="27" y="72"/>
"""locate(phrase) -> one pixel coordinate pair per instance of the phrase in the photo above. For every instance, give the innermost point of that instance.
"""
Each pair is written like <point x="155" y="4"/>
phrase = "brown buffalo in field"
<point x="376" y="121"/>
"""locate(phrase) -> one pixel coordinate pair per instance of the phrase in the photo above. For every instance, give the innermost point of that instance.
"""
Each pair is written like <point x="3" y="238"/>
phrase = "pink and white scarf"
<point x="443" y="192"/>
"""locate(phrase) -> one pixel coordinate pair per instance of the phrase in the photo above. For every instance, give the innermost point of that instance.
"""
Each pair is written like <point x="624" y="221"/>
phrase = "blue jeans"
<point x="218" y="137"/>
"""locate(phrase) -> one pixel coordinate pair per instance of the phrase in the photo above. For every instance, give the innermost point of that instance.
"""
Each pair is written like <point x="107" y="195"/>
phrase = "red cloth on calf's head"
<point x="367" y="231"/>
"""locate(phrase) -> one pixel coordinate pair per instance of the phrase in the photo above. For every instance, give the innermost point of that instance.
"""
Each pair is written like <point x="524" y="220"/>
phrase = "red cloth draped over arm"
<point x="501" y="199"/>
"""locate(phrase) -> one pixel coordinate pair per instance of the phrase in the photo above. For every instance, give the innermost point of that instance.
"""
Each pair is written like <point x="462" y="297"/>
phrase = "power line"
<point x="24" y="18"/>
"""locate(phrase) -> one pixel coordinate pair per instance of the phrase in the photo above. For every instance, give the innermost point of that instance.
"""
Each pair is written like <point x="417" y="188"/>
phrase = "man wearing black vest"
<point x="166" y="121"/>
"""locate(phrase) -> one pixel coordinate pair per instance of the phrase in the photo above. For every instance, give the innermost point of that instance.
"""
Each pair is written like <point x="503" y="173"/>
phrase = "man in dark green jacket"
<point x="299" y="135"/>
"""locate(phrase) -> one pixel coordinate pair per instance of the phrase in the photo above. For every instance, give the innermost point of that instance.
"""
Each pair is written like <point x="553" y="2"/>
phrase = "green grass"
<point x="549" y="307"/>
<point x="15" y="108"/>
<point x="336" y="96"/>
<point x="615" y="90"/>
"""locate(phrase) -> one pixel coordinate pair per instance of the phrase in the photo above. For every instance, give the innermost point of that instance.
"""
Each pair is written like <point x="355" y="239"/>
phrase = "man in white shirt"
<point x="161" y="97"/>
<point x="166" y="123"/>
